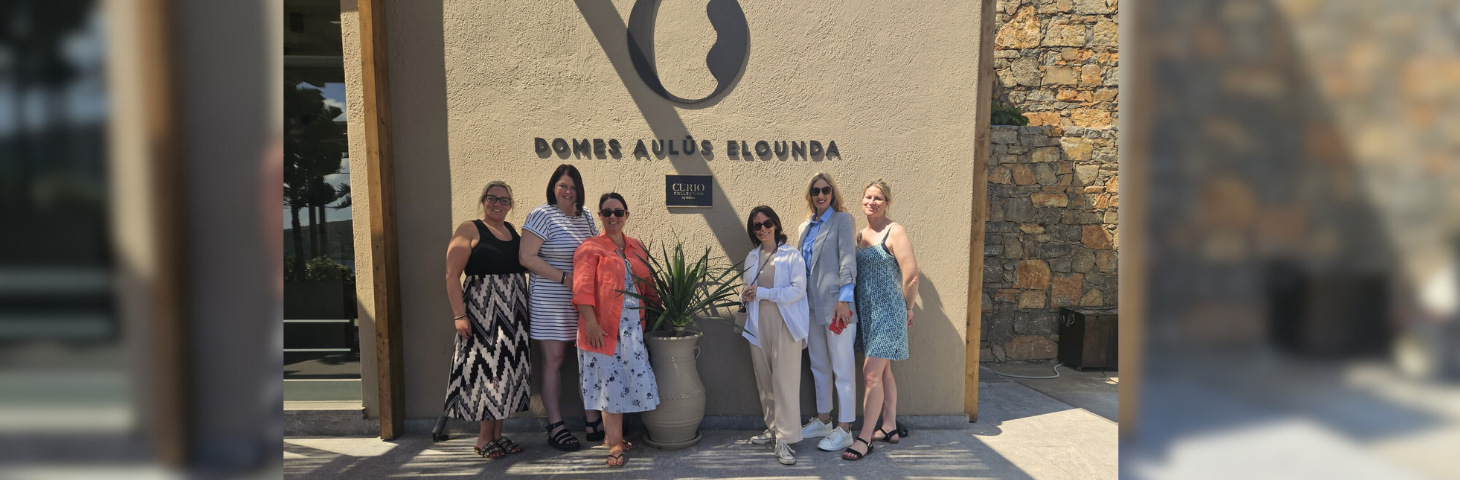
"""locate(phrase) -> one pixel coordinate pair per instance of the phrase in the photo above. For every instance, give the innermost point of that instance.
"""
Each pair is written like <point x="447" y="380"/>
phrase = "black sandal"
<point x="858" y="456"/>
<point x="508" y="446"/>
<point x="887" y="436"/>
<point x="621" y="461"/>
<point x="491" y="450"/>
<point x="563" y="440"/>
<point x="598" y="433"/>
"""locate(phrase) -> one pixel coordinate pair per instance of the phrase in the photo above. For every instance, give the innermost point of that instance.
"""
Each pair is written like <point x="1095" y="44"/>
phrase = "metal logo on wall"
<point x="727" y="57"/>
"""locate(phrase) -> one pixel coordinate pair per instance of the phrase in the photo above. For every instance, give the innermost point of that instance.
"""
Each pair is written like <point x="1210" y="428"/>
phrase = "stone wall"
<point x="1050" y="236"/>
<point x="1057" y="61"/>
<point x="1050" y="240"/>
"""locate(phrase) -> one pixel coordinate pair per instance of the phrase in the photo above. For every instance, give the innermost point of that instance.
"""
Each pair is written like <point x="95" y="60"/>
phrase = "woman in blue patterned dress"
<point x="887" y="285"/>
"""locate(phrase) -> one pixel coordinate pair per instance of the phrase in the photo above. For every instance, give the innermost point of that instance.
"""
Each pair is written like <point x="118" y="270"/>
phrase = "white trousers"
<point x="832" y="362"/>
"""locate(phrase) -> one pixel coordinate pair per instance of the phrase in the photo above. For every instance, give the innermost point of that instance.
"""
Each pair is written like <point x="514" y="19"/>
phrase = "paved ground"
<point x="1021" y="434"/>
<point x="1089" y="390"/>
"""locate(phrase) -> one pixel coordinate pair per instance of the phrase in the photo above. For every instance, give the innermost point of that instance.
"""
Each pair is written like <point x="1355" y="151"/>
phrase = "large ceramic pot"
<point x="675" y="423"/>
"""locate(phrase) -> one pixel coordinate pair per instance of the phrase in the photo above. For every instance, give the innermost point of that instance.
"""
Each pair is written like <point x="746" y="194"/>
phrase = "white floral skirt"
<point x="622" y="382"/>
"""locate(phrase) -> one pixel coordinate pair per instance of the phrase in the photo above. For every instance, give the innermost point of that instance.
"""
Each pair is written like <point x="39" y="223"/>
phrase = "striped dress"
<point x="550" y="304"/>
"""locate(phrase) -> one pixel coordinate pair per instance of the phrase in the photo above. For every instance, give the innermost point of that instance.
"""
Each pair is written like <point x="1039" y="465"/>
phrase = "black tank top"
<point x="492" y="256"/>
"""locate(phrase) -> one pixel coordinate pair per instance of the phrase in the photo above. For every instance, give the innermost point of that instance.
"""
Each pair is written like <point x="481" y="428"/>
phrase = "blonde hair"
<point x="836" y="195"/>
<point x="881" y="185"/>
<point x="495" y="183"/>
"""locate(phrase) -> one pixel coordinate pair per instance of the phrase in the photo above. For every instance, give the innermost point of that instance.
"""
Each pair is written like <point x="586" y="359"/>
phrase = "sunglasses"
<point x="766" y="224"/>
<point x="818" y="191"/>
<point x="499" y="200"/>
<point x="617" y="212"/>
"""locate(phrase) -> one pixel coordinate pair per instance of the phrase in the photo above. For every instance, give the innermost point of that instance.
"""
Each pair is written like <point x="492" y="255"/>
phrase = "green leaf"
<point x="688" y="288"/>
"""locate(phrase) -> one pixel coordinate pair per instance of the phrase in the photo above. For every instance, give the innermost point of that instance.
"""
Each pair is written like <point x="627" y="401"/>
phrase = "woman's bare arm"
<point x="528" y="257"/>
<point x="458" y="252"/>
<point x="902" y="249"/>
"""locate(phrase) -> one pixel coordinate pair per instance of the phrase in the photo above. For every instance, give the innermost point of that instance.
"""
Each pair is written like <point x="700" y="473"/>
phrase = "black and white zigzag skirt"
<point x="489" y="371"/>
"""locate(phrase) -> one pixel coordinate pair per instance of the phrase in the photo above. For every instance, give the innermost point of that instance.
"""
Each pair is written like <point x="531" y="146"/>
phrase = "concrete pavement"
<point x="1021" y="434"/>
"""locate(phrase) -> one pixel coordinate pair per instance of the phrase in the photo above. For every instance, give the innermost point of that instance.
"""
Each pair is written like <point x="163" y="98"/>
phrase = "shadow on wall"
<point x="419" y="126"/>
<point x="612" y="33"/>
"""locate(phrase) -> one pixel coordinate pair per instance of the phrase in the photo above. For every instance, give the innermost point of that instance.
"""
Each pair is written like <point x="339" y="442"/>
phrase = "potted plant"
<point x="688" y="291"/>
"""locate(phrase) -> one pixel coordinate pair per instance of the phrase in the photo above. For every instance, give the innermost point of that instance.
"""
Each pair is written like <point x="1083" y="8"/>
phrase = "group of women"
<point x="834" y="291"/>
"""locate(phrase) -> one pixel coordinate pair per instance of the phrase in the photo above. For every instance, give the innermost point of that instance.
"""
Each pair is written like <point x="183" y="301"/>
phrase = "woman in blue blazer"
<point x="828" y="244"/>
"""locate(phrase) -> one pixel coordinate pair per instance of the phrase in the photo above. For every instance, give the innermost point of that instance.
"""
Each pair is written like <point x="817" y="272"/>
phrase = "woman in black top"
<point x="490" y="368"/>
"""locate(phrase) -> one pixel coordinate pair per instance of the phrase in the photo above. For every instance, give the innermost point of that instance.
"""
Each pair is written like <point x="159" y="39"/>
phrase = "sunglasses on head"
<point x="818" y="191"/>
<point x="616" y="212"/>
<point x="762" y="225"/>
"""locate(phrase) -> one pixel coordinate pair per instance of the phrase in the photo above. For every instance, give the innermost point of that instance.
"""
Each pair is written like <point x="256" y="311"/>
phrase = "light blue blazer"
<point x="833" y="264"/>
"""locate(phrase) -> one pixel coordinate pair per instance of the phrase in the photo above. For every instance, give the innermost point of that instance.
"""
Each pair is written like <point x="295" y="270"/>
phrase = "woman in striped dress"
<point x="551" y="233"/>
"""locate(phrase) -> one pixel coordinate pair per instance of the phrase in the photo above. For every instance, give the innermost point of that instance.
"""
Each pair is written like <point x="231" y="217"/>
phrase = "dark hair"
<point x="769" y="213"/>
<point x="613" y="196"/>
<point x="571" y="172"/>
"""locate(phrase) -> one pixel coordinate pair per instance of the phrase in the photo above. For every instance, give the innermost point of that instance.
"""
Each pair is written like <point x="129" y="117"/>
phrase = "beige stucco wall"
<point x="473" y="83"/>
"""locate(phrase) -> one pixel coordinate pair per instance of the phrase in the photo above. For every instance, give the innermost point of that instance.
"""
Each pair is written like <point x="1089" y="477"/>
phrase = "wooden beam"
<point x="385" y="265"/>
<point x="1134" y="147"/>
<point x="169" y="339"/>
<point x="979" y="213"/>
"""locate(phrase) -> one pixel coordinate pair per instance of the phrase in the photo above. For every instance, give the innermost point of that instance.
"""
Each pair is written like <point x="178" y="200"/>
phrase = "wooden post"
<point x="381" y="181"/>
<point x="151" y="25"/>
<point x="984" y="77"/>
<point x="1134" y="147"/>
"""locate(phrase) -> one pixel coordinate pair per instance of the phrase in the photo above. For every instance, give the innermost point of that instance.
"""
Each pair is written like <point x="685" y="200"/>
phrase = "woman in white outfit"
<point x="828" y="244"/>
<point x="775" y="324"/>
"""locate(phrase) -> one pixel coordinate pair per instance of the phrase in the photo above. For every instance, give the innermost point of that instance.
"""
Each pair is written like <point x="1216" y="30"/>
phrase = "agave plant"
<point x="688" y="289"/>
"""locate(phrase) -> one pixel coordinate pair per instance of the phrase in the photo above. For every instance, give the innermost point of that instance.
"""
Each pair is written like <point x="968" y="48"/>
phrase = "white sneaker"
<point x="815" y="428"/>
<point x="784" y="454"/>
<point x="764" y="437"/>
<point x="836" y="441"/>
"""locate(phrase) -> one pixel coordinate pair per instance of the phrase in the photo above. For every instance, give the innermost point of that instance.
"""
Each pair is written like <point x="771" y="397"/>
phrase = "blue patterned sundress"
<point x="880" y="304"/>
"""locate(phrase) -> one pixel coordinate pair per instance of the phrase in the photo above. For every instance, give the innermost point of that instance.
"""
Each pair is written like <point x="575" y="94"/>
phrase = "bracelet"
<point x="458" y="317"/>
<point x="564" y="278"/>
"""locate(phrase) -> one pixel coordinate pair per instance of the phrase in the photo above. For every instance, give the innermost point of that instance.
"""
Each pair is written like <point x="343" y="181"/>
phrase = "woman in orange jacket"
<point x="613" y="365"/>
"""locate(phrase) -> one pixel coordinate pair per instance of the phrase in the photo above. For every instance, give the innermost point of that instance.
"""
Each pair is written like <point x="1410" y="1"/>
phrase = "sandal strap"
<point x="552" y="426"/>
<point x="565" y="438"/>
<point x="508" y="445"/>
<point x="593" y="424"/>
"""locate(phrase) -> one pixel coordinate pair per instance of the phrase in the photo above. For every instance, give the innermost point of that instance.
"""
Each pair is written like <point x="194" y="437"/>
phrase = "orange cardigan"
<point x="598" y="274"/>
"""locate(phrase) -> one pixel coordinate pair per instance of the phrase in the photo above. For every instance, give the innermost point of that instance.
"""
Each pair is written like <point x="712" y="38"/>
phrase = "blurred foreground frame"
<point x="193" y="117"/>
<point x="1292" y="239"/>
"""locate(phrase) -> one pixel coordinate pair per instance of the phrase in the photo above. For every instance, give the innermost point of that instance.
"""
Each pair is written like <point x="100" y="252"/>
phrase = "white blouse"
<point x="788" y="293"/>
